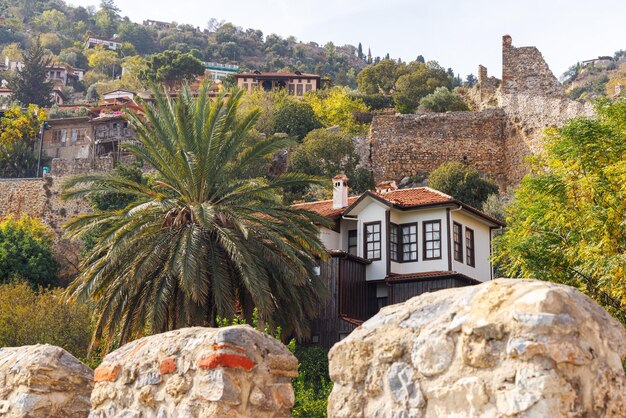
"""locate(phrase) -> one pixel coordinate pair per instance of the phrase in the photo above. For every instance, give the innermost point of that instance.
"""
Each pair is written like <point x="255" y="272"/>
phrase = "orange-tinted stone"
<point x="232" y="361"/>
<point x="168" y="366"/>
<point x="106" y="373"/>
<point x="217" y="347"/>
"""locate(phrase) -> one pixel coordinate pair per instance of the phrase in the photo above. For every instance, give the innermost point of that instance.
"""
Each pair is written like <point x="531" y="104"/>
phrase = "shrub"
<point x="442" y="100"/>
<point x="26" y="251"/>
<point x="462" y="182"/>
<point x="29" y="316"/>
<point x="312" y="386"/>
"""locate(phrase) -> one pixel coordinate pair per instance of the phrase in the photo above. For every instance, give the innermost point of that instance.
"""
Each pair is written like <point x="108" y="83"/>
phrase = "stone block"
<point x="505" y="348"/>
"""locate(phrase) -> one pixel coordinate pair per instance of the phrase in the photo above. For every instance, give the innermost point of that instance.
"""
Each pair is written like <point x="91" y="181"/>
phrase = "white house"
<point x="390" y="244"/>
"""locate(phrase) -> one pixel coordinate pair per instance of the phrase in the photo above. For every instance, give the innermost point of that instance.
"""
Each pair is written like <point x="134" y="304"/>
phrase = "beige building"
<point x="296" y="84"/>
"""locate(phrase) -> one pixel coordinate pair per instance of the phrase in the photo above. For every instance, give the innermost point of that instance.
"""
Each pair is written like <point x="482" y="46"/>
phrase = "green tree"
<point x="463" y="183"/>
<point x="42" y="316"/>
<point x="107" y="18"/>
<point x="442" y="100"/>
<point x="326" y="153"/>
<point x="31" y="85"/>
<point x="19" y="130"/>
<point x="203" y="239"/>
<point x="171" y="66"/>
<point x="422" y="80"/>
<point x="335" y="107"/>
<point x="103" y="60"/>
<point x="295" y="118"/>
<point x="379" y="78"/>
<point x="50" y="20"/>
<point x="26" y="251"/>
<point x="566" y="222"/>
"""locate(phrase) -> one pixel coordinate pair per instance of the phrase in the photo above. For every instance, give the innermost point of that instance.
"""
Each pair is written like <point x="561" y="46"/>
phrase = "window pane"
<point x="432" y="239"/>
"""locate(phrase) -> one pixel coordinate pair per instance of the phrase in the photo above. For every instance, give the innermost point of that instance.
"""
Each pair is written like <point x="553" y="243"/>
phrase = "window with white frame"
<point x="432" y="240"/>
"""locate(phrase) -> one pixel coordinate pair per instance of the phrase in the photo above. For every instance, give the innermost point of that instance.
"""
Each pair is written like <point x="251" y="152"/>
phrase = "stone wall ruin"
<point x="528" y="99"/>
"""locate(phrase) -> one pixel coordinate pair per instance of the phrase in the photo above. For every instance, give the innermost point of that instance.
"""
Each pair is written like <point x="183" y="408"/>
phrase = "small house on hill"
<point x="296" y="84"/>
<point x="389" y="245"/>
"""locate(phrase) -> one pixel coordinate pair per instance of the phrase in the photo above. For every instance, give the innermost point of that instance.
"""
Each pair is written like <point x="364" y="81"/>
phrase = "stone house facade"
<point x="296" y="84"/>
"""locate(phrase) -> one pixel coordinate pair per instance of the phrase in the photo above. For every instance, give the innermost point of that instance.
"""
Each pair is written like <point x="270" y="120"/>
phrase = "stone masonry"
<point x="232" y="372"/>
<point x="505" y="127"/>
<point x="43" y="381"/>
<point x="505" y="348"/>
<point x="41" y="198"/>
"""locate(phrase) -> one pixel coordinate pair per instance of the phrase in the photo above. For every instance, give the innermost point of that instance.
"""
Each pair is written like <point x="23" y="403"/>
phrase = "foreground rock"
<point x="197" y="372"/>
<point x="43" y="381"/>
<point x="506" y="348"/>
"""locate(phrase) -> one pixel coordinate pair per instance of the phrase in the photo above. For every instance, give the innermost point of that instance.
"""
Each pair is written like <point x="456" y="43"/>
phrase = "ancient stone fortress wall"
<point x="505" y="348"/>
<point x="525" y="71"/>
<point x="511" y="115"/>
<point x="408" y="145"/>
<point x="41" y="198"/>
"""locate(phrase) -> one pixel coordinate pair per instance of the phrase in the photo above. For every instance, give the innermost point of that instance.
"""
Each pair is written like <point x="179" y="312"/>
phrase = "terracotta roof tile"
<point x="325" y="207"/>
<point x="418" y="196"/>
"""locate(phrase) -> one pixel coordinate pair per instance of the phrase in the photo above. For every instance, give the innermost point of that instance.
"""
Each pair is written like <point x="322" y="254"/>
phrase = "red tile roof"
<point x="352" y="321"/>
<point x="325" y="207"/>
<point x="402" y="198"/>
<point x="419" y="196"/>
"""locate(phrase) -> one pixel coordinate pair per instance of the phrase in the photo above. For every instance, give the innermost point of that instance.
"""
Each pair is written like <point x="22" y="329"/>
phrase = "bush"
<point x="26" y="251"/>
<point x="42" y="316"/>
<point x="295" y="118"/>
<point x="442" y="100"/>
<point x="463" y="183"/>
<point x="312" y="386"/>
<point x="374" y="101"/>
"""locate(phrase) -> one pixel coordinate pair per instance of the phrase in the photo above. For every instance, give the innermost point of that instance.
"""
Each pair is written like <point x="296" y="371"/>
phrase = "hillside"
<point x="595" y="78"/>
<point x="63" y="28"/>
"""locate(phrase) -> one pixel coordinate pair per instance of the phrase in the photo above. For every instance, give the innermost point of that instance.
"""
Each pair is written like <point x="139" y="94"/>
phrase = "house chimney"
<point x="340" y="191"/>
<point x="386" y="186"/>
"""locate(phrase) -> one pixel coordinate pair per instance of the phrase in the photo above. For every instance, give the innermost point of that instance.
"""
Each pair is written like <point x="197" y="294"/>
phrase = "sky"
<point x="457" y="34"/>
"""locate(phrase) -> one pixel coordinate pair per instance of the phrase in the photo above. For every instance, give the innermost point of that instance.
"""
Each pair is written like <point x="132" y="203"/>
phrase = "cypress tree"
<point x="31" y="85"/>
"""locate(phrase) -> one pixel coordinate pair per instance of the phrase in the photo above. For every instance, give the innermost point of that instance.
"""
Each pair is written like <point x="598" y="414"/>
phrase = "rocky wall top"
<point x="525" y="71"/>
<point x="43" y="381"/>
<point x="505" y="348"/>
<point x="232" y="372"/>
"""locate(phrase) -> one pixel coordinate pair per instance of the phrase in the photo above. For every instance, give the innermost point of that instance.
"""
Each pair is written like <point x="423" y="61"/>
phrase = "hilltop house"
<point x="389" y="245"/>
<point x="296" y="83"/>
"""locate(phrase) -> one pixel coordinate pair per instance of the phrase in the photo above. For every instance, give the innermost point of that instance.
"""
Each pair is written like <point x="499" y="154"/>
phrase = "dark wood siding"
<point x="352" y="290"/>
<point x="344" y="279"/>
<point x="403" y="291"/>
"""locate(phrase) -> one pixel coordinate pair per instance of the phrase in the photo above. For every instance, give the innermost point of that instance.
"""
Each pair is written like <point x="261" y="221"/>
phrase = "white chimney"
<point x="340" y="191"/>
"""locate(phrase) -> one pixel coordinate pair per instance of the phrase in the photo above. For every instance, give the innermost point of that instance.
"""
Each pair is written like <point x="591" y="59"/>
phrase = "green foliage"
<point x="463" y="183"/>
<point x="422" y="80"/>
<point x="442" y="100"/>
<point x="295" y="118"/>
<point x="26" y="251"/>
<point x="171" y="66"/>
<point x="112" y="201"/>
<point x="380" y="78"/>
<point x="326" y="153"/>
<point x="30" y="85"/>
<point x="312" y="387"/>
<point x="374" y="101"/>
<point x="495" y="205"/>
<point x="42" y="316"/>
<point x="18" y="133"/>
<point x="335" y="107"/>
<point x="202" y="239"/>
<point x="566" y="222"/>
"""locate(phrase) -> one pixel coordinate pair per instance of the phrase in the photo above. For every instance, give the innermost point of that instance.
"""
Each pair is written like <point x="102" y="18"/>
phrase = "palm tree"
<point x="204" y="238"/>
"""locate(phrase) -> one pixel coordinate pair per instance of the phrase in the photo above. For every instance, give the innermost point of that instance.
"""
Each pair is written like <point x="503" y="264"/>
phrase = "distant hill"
<point x="595" y="78"/>
<point x="62" y="29"/>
